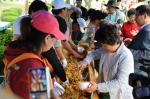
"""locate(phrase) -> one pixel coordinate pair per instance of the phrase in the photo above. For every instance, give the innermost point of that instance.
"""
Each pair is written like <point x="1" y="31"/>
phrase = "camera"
<point x="141" y="83"/>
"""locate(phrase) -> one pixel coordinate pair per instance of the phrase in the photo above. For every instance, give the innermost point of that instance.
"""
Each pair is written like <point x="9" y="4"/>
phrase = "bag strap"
<point x="20" y="58"/>
<point x="23" y="57"/>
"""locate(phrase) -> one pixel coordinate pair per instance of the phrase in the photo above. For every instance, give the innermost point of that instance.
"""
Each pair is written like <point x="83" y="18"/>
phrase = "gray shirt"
<point x="115" y="68"/>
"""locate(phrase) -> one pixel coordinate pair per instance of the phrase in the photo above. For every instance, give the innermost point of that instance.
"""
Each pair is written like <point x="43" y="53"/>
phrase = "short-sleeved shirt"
<point x="57" y="43"/>
<point x="16" y="28"/>
<point x="62" y="24"/>
<point x="62" y="27"/>
<point x="117" y="17"/>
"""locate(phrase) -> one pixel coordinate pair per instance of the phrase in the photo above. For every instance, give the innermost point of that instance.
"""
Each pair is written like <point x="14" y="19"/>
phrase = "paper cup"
<point x="84" y="85"/>
<point x="80" y="49"/>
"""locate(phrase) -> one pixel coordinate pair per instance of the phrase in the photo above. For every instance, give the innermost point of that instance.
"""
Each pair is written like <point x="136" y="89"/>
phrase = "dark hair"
<point x="108" y="33"/>
<point x="90" y="11"/>
<point x="27" y="34"/>
<point x="56" y="12"/>
<point x="131" y="12"/>
<point x="37" y="5"/>
<point x="97" y="15"/>
<point x="141" y="10"/>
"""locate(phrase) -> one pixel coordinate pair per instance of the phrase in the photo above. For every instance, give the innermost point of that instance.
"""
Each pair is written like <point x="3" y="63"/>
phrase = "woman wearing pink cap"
<point x="37" y="37"/>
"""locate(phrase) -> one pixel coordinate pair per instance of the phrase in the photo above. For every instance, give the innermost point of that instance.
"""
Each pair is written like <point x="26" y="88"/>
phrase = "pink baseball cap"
<point x="47" y="23"/>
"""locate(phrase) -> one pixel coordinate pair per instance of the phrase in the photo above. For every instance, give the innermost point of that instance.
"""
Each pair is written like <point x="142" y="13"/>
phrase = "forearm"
<point x="96" y="54"/>
<point x="72" y="45"/>
<point x="59" y="53"/>
<point x="67" y="46"/>
<point x="82" y="43"/>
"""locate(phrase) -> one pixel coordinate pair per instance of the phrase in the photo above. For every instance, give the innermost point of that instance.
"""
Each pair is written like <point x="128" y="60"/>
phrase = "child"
<point x="129" y="28"/>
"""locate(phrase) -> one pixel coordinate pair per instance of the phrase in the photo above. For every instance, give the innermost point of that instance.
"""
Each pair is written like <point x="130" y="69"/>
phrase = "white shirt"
<point x="116" y="68"/>
<point x="16" y="27"/>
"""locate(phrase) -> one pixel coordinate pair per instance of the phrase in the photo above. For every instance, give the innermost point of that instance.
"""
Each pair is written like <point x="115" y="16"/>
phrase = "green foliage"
<point x="11" y="14"/>
<point x="5" y="38"/>
<point x="1" y="57"/>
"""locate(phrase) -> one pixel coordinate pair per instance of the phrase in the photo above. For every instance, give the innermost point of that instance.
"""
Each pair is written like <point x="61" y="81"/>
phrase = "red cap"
<point x="47" y="23"/>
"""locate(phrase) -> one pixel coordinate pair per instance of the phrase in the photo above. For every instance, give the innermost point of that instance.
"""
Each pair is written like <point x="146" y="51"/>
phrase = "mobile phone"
<point x="40" y="84"/>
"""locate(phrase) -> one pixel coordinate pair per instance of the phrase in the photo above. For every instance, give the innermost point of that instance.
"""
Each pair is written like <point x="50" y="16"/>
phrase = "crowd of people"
<point x="115" y="40"/>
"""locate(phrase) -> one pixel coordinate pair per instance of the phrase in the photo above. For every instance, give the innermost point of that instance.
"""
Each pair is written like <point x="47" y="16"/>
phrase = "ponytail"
<point x="31" y="37"/>
<point x="25" y="27"/>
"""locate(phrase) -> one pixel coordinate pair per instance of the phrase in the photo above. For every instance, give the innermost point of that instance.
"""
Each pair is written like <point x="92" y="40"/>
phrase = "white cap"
<point x="77" y="9"/>
<point x="82" y="24"/>
<point x="59" y="4"/>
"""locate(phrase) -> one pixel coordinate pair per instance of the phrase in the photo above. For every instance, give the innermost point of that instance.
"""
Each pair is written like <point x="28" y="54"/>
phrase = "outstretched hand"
<point x="92" y="87"/>
<point x="82" y="65"/>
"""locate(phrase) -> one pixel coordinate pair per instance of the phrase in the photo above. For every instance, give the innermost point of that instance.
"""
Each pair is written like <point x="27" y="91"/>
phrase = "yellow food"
<point x="72" y="90"/>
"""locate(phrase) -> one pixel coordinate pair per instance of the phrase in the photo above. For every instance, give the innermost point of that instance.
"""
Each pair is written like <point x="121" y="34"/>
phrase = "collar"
<point x="144" y="25"/>
<point x="120" y="47"/>
<point x="118" y="50"/>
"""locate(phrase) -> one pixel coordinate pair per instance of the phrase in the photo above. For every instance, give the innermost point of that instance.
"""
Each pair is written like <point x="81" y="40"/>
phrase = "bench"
<point x="4" y="25"/>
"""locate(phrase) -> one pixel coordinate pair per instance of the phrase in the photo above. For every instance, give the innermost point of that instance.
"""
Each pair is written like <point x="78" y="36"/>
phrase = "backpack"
<point x="8" y="64"/>
<point x="76" y="27"/>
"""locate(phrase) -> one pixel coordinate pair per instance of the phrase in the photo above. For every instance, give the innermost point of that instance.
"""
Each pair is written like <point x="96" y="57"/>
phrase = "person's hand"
<point x="92" y="46"/>
<point x="77" y="55"/>
<point x="127" y="41"/>
<point x="82" y="65"/>
<point x="134" y="32"/>
<point x="64" y="63"/>
<point x="74" y="47"/>
<point x="92" y="87"/>
<point x="65" y="83"/>
<point x="58" y="88"/>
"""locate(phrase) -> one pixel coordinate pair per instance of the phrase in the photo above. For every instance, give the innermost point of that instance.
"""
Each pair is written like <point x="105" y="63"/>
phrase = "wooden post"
<point x="26" y="6"/>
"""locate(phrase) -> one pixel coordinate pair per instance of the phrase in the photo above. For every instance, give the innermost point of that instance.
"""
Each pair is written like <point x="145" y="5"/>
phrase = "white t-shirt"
<point x="16" y="27"/>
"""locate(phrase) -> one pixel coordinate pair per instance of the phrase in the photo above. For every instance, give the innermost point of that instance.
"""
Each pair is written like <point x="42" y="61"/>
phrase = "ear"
<point x="46" y="38"/>
<point x="145" y="16"/>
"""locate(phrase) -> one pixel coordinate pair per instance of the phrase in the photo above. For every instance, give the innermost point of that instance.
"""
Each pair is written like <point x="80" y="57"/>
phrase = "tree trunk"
<point x="26" y="6"/>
